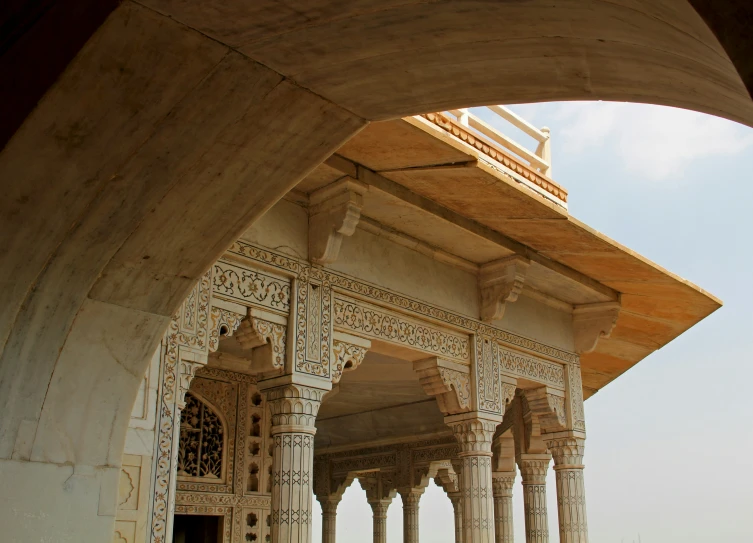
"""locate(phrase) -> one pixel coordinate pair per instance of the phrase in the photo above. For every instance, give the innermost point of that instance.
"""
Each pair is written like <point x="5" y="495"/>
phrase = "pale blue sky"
<point x="669" y="443"/>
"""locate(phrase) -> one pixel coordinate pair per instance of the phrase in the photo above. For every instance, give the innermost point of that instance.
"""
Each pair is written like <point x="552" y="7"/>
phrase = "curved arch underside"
<point x="180" y="123"/>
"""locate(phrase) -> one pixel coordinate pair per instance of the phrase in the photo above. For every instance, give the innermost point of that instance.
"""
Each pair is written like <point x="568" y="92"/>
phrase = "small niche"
<point x="256" y="399"/>
<point x="255" y="425"/>
<point x="269" y="521"/>
<point x="254" y="448"/>
<point x="269" y="482"/>
<point x="253" y="477"/>
<point x="271" y="449"/>
<point x="251" y="537"/>
<point x="251" y="520"/>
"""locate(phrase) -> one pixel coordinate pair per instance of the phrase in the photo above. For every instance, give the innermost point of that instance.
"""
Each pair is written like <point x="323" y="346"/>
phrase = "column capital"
<point x="294" y="408"/>
<point x="329" y="504"/>
<point x="567" y="452"/>
<point x="474" y="432"/>
<point x="533" y="468"/>
<point x="411" y="496"/>
<point x="503" y="482"/>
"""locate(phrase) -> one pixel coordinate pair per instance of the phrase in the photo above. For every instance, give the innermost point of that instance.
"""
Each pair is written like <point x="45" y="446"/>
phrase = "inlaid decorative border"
<point x="527" y="367"/>
<point x="374" y="322"/>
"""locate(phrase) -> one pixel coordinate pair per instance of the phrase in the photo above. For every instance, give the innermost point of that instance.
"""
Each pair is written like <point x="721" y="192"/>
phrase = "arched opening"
<point x="92" y="292"/>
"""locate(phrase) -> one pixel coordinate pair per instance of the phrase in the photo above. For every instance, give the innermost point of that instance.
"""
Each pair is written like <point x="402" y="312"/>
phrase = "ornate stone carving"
<point x="202" y="441"/>
<point x="249" y="286"/>
<point x="347" y="356"/>
<point x="487" y="390"/>
<point x="266" y="340"/>
<point x="365" y="319"/>
<point x="404" y="304"/>
<point x="313" y="327"/>
<point x="500" y="282"/>
<point x="591" y="322"/>
<point x="575" y="395"/>
<point x="448" y="381"/>
<point x="185" y="348"/>
<point x="334" y="212"/>
<point x="549" y="408"/>
<point x="502" y="485"/>
<point x="474" y="468"/>
<point x="293" y="409"/>
<point x="222" y="324"/>
<point x="533" y="470"/>
<point x="529" y="367"/>
<point x="571" y="495"/>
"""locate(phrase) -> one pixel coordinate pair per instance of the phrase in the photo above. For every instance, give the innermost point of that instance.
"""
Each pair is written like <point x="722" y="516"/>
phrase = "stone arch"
<point x="109" y="184"/>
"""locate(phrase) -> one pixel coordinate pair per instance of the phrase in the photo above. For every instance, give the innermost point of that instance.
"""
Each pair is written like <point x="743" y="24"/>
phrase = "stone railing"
<point x="530" y="167"/>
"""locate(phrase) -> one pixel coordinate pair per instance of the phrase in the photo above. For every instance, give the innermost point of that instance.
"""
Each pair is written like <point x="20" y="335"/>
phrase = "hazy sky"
<point x="669" y="443"/>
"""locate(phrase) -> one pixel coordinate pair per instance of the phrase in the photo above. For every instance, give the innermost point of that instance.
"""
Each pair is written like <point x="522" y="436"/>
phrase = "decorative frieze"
<point x="535" y="369"/>
<point x="251" y="286"/>
<point x="371" y="321"/>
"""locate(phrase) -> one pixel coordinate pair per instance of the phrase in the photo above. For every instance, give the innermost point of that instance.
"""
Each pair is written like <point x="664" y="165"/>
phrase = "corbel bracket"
<point x="224" y="319"/>
<point x="334" y="213"/>
<point x="266" y="341"/>
<point x="347" y="354"/>
<point x="448" y="381"/>
<point x="549" y="408"/>
<point x="500" y="282"/>
<point x="592" y="322"/>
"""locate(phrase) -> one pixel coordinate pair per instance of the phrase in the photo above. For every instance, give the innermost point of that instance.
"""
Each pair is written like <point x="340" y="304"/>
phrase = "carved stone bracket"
<point x="347" y="354"/>
<point x="266" y="341"/>
<point x="591" y="322"/>
<point x="500" y="282"/>
<point x="448" y="381"/>
<point x="333" y="214"/>
<point x="223" y="322"/>
<point x="549" y="407"/>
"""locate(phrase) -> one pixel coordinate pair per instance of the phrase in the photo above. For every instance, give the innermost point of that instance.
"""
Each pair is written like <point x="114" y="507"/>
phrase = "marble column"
<point x="294" y="409"/>
<point x="410" y="514"/>
<point x="474" y="461"/>
<point x="502" y="484"/>
<point x="533" y="468"/>
<point x="457" y="508"/>
<point x="571" y="495"/>
<point x="379" y="511"/>
<point x="329" y="519"/>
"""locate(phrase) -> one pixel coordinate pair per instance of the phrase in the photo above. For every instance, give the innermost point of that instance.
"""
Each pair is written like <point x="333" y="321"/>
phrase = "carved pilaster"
<point x="500" y="282"/>
<point x="571" y="495"/>
<point x="448" y="381"/>
<point x="294" y="409"/>
<point x="592" y="322"/>
<point x="474" y="467"/>
<point x="379" y="494"/>
<point x="533" y="469"/>
<point x="502" y="485"/>
<point x="333" y="214"/>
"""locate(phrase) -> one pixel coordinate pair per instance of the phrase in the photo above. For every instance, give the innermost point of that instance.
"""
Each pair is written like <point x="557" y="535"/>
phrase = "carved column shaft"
<point x="329" y="519"/>
<point x="294" y="409"/>
<point x="379" y="511"/>
<point x="474" y="464"/>
<point x="457" y="508"/>
<point x="410" y="498"/>
<point x="571" y="494"/>
<point x="533" y="472"/>
<point x="502" y="484"/>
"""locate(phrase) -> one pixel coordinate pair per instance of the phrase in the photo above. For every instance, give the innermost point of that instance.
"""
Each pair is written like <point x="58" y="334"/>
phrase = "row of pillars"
<point x="483" y="505"/>
<point x="570" y="499"/>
